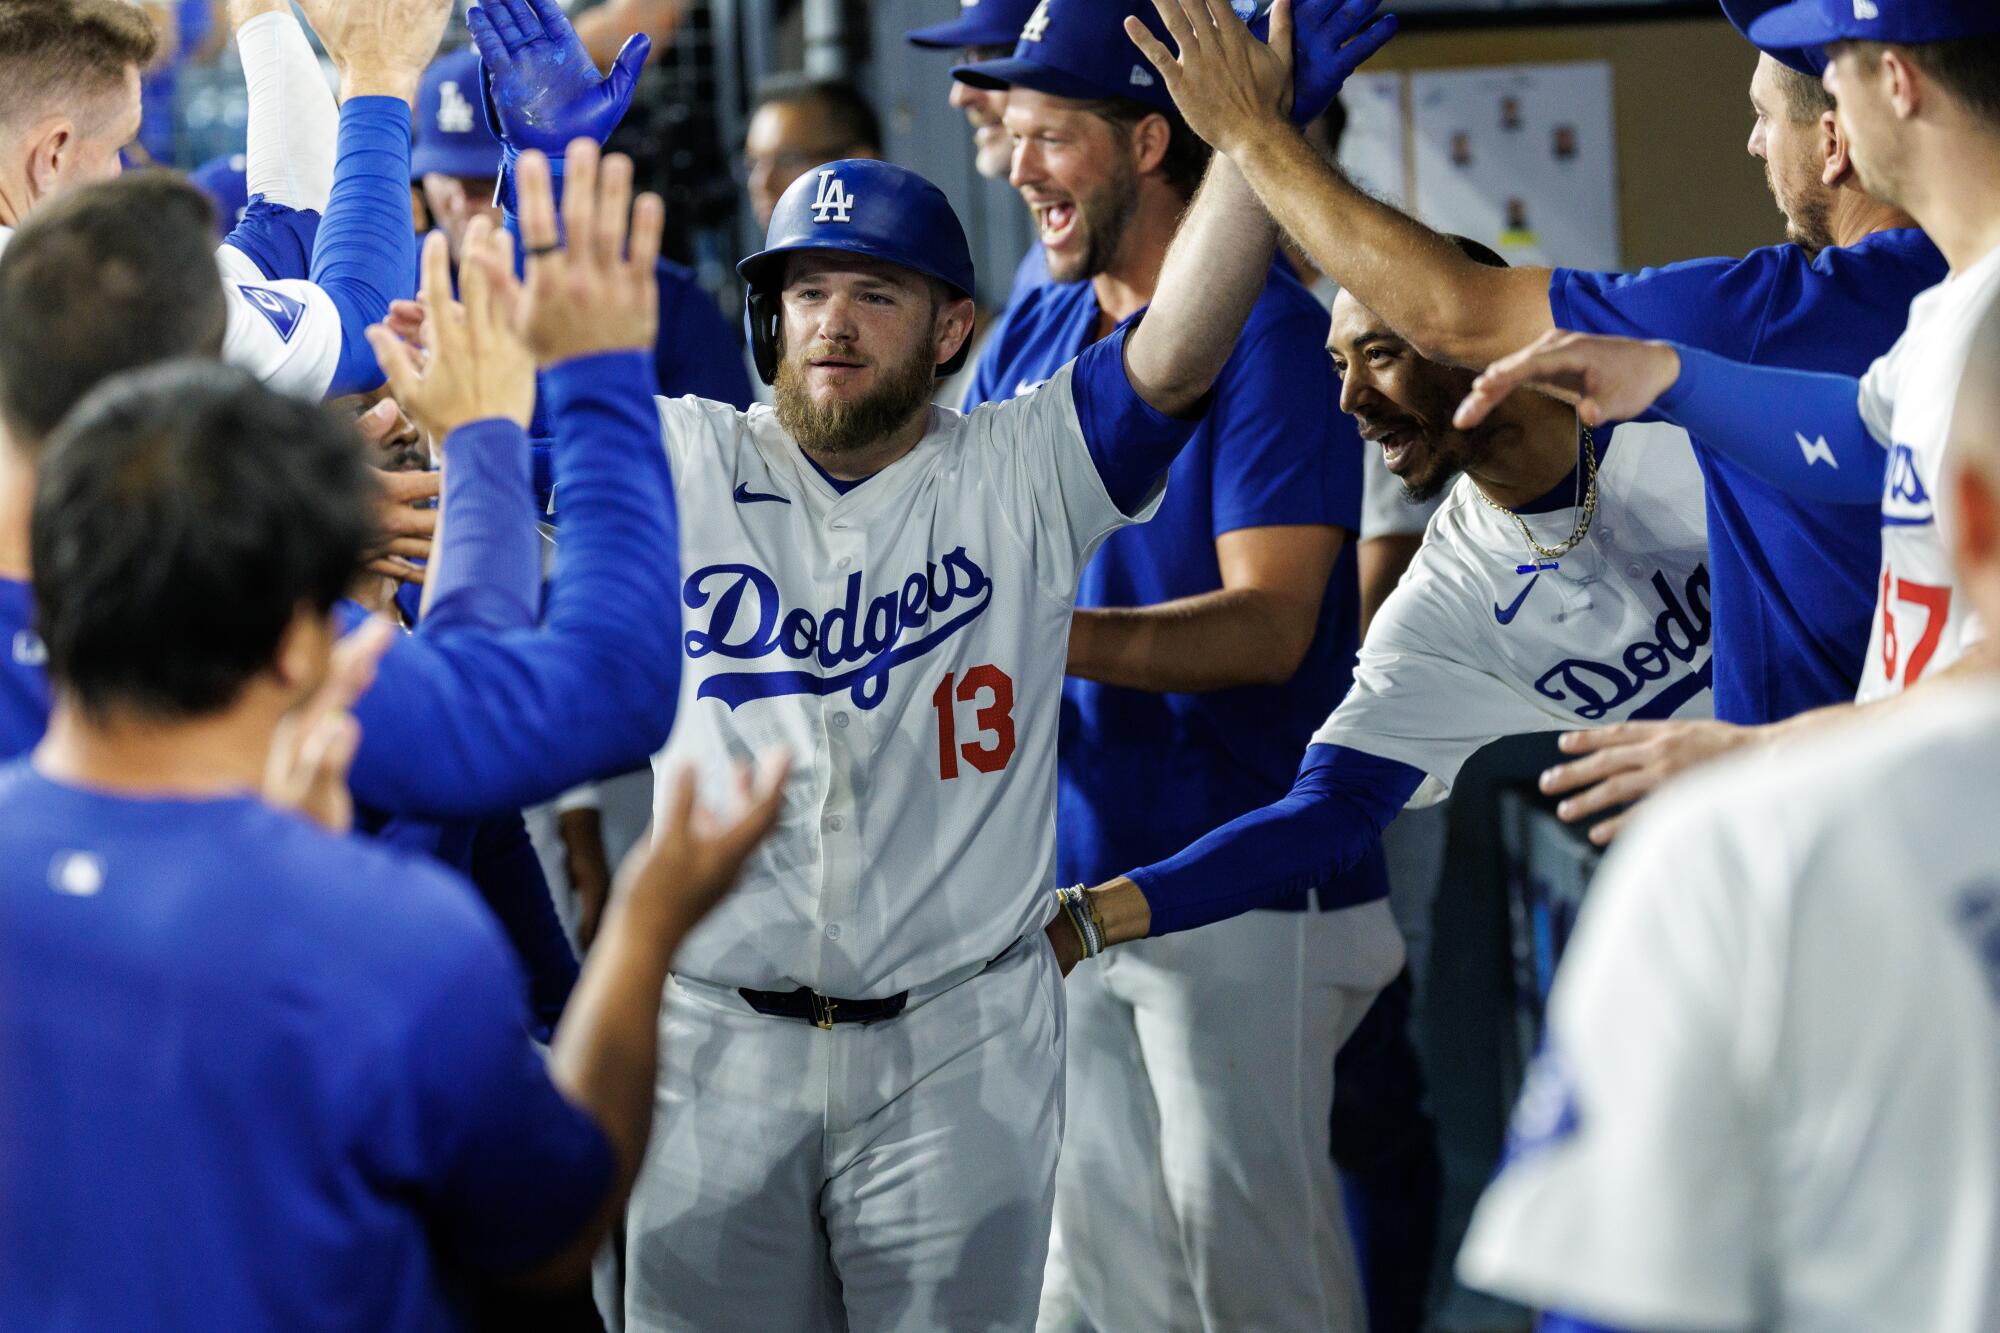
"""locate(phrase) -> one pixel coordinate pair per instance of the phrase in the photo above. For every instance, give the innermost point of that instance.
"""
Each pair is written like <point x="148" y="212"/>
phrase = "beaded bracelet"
<point x="1083" y="917"/>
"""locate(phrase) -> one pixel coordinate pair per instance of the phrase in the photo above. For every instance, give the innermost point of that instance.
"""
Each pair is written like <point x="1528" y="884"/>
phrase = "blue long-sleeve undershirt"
<point x="1799" y="430"/>
<point x="486" y="572"/>
<point x="467" y="722"/>
<point x="1338" y="806"/>
<point x="366" y="250"/>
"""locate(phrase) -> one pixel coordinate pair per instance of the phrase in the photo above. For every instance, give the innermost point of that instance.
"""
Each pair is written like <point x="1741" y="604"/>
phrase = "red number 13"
<point x="995" y="717"/>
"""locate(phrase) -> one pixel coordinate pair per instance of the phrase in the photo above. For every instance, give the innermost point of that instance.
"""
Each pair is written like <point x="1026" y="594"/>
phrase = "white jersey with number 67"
<point x="906" y="642"/>
<point x="1921" y="620"/>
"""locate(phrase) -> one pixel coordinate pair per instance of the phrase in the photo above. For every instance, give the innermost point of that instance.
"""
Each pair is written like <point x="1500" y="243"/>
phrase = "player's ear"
<point x="50" y="147"/>
<point x="304" y="650"/>
<point x="952" y="329"/>
<point x="1150" y="139"/>
<point x="1835" y="164"/>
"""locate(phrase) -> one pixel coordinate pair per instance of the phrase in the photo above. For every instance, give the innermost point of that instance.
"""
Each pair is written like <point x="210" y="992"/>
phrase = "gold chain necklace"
<point x="1586" y="510"/>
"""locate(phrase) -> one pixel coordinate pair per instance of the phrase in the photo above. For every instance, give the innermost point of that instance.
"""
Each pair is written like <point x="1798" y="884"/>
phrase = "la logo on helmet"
<point x="833" y="202"/>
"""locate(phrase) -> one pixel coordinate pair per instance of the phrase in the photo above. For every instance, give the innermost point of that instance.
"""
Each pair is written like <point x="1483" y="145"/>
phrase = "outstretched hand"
<point x="1330" y="39"/>
<point x="379" y="46"/>
<point x="314" y="745"/>
<point x="1229" y="86"/>
<point x="595" y="286"/>
<point x="1609" y="379"/>
<point x="544" y="89"/>
<point x="475" y="365"/>
<point x="696" y="854"/>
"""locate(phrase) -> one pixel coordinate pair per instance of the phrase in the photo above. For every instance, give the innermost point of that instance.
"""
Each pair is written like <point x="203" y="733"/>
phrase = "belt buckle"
<point x="822" y="1011"/>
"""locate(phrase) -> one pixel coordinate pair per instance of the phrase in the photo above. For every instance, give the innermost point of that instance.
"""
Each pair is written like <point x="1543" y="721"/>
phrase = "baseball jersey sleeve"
<point x="1877" y="398"/>
<point x="284" y="331"/>
<point x="1284" y="451"/>
<point x="1719" y="305"/>
<point x="1630" y="1193"/>
<point x="508" y="1168"/>
<point x="1043" y="455"/>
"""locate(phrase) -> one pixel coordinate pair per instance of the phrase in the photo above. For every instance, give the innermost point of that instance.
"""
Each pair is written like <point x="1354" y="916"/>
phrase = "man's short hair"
<point x="54" y="51"/>
<point x="1806" y="98"/>
<point x="1187" y="153"/>
<point x="183" y="514"/>
<point x="1968" y="69"/>
<point x="105" y="278"/>
<point x="850" y="121"/>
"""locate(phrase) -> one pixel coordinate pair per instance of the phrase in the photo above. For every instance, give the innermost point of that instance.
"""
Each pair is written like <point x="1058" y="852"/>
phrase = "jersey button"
<point x="833" y="932"/>
<point x="1633" y="571"/>
<point x="840" y="719"/>
<point x="842" y="563"/>
<point x="836" y="823"/>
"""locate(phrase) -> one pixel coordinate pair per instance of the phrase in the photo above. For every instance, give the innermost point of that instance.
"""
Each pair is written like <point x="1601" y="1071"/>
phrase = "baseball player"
<point x="1910" y="79"/>
<point x="864" y="1115"/>
<point x="1771" y="1070"/>
<point x="1206" y="646"/>
<point x="1794" y="576"/>
<point x="69" y="120"/>
<point x="257" y="1075"/>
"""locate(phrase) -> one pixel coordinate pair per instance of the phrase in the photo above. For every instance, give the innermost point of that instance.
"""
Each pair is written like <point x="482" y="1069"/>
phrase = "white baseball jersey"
<point x="1769" y="1095"/>
<point x="286" y="332"/>
<point x="906" y="642"/>
<point x="1477" y="643"/>
<point x="1921" y="620"/>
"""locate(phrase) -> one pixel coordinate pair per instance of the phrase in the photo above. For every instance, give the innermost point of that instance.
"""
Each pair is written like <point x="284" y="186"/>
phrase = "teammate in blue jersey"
<point x="255" y="1074"/>
<point x="987" y="30"/>
<point x="1793" y="580"/>
<point x="1206" y="646"/>
<point x="454" y="168"/>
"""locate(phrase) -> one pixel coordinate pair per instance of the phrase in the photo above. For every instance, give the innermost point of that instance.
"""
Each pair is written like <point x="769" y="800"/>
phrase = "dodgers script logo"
<point x="1594" y="689"/>
<point x="748" y="622"/>
<point x="1905" y="502"/>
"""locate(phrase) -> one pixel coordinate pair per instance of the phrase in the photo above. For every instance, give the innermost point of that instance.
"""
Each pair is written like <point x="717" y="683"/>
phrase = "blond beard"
<point x="845" y="427"/>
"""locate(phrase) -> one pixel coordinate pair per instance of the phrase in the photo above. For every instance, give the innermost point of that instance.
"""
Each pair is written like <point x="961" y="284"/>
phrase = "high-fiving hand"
<point x="1609" y="379"/>
<point x="545" y="91"/>
<point x="380" y="47"/>
<point x="595" y="286"/>
<point x="475" y="364"/>
<point x="305" y="768"/>
<point x="1231" y="86"/>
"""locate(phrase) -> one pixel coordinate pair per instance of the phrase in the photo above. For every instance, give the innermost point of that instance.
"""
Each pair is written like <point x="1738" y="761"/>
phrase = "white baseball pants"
<point x="1196" y="1190"/>
<point x="893" y="1176"/>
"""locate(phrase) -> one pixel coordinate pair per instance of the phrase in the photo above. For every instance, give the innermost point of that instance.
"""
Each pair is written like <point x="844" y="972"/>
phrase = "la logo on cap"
<point x="1866" y="11"/>
<point x="454" y="112"/>
<point x="833" y="202"/>
<point x="1037" y="24"/>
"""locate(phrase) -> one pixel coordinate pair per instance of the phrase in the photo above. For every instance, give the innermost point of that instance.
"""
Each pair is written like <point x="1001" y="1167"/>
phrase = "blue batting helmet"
<point x="861" y="207"/>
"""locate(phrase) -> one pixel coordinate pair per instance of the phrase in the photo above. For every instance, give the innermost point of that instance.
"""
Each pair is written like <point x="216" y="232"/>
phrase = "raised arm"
<point x="1449" y="307"/>
<point x="516" y="718"/>
<point x="293" y="121"/>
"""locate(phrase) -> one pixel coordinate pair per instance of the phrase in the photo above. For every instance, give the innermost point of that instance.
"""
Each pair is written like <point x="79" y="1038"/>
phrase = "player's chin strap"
<point x="1082" y="913"/>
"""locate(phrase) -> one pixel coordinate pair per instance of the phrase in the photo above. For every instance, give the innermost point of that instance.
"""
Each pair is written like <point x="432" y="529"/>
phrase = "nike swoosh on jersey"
<point x="746" y="496"/>
<point x="1505" y="614"/>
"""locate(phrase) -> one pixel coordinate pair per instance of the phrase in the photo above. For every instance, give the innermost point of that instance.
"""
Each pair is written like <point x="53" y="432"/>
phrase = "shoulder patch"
<point x="284" y="313"/>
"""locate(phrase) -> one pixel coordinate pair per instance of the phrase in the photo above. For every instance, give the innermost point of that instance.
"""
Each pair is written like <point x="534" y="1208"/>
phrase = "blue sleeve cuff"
<point x="1337" y="808"/>
<point x="365" y="253"/>
<point x="1132" y="442"/>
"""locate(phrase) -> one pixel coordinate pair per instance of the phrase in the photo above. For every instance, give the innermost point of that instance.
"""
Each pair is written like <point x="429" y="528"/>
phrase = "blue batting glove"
<point x="542" y="89"/>
<point x="1326" y="49"/>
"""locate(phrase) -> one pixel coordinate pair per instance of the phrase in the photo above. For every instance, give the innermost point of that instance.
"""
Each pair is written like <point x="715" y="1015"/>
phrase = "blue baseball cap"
<point x="1078" y="49"/>
<point x="452" y="135"/>
<point x="1817" y="23"/>
<point x="1742" y="13"/>
<point x="979" y="23"/>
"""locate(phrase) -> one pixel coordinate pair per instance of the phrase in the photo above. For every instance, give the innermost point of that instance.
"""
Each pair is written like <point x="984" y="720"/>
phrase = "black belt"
<point x="822" y="1011"/>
